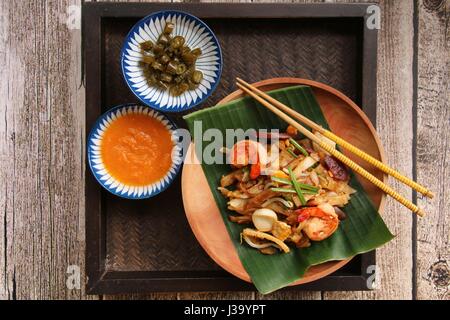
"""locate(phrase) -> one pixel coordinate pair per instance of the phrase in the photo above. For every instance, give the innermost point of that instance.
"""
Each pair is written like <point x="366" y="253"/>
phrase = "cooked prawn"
<point x="247" y="152"/>
<point x="319" y="222"/>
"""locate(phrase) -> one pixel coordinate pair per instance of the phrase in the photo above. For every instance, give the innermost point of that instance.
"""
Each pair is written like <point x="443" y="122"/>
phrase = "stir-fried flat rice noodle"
<point x="288" y="201"/>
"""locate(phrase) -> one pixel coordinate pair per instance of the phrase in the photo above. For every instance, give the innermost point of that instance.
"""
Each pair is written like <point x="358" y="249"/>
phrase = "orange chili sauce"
<point x="136" y="149"/>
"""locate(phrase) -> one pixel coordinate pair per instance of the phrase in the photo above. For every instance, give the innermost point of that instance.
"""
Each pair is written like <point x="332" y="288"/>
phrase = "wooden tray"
<point x="147" y="246"/>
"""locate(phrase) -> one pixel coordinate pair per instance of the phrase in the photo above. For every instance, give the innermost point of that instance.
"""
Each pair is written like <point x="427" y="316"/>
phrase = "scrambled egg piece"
<point x="281" y="230"/>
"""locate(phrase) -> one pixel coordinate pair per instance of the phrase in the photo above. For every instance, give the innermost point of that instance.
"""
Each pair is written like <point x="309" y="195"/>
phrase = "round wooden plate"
<point x="345" y="119"/>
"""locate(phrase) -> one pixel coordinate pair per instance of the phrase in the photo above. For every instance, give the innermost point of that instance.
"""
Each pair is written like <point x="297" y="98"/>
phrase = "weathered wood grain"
<point x="433" y="149"/>
<point x="6" y="156"/>
<point x="395" y="127"/>
<point x="41" y="163"/>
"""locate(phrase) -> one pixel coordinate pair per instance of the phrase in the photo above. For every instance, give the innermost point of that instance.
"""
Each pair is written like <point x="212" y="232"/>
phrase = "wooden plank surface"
<point x="6" y="157"/>
<point x="41" y="143"/>
<point x="433" y="149"/>
<point x="395" y="127"/>
<point x="42" y="153"/>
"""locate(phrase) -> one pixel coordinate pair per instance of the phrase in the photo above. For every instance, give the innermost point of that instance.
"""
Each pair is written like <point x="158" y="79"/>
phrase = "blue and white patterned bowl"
<point x="197" y="35"/>
<point x="101" y="173"/>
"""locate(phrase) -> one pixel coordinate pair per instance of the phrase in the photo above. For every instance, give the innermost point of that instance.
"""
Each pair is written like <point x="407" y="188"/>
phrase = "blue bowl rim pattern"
<point x="175" y="166"/>
<point x="163" y="13"/>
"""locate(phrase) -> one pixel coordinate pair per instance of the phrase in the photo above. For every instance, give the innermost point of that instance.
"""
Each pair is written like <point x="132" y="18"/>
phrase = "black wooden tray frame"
<point x="100" y="281"/>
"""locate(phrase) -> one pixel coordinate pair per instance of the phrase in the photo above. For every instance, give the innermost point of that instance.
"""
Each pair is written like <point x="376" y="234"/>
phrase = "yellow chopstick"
<point x="346" y="145"/>
<point x="341" y="157"/>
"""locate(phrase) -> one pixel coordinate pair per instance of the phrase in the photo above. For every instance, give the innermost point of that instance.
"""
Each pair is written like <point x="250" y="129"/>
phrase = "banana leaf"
<point x="362" y="231"/>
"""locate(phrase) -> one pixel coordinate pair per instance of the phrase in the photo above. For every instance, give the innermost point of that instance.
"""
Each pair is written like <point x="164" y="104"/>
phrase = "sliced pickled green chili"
<point x="168" y="28"/>
<point x="169" y="63"/>
<point x="166" y="77"/>
<point x="181" y="68"/>
<point x="163" y="39"/>
<point x="164" y="59"/>
<point x="189" y="58"/>
<point x="197" y="52"/>
<point x="197" y="76"/>
<point x="148" y="58"/>
<point x="176" y="42"/>
<point x="147" y="45"/>
<point x="183" y="87"/>
<point x="174" y="90"/>
<point x="151" y="80"/>
<point x="162" y="85"/>
<point x="157" y="66"/>
<point x="184" y="50"/>
<point x="172" y="67"/>
<point x="192" y="85"/>
<point x="158" y="48"/>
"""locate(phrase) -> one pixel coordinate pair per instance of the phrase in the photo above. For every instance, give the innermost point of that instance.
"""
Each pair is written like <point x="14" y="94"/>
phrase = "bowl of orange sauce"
<point x="134" y="151"/>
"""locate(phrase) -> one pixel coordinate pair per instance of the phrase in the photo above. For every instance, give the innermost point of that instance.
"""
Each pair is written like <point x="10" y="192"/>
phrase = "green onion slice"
<point x="291" y="153"/>
<point x="297" y="187"/>
<point x="307" y="187"/>
<point x="281" y="180"/>
<point x="283" y="190"/>
<point x="298" y="147"/>
<point x="289" y="182"/>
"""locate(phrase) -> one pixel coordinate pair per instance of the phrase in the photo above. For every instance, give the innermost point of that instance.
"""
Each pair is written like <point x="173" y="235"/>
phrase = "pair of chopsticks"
<point x="282" y="110"/>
